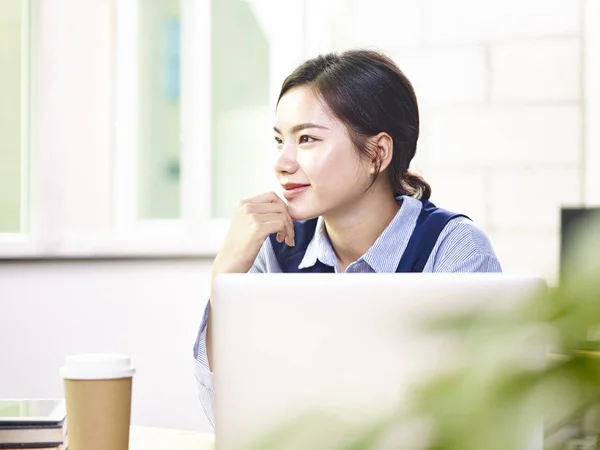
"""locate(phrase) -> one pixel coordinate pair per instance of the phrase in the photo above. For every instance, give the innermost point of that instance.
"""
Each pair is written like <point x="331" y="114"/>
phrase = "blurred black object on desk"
<point x="571" y="221"/>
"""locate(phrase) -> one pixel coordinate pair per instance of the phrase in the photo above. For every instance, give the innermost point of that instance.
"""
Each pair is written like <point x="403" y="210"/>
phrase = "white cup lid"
<point x="97" y="366"/>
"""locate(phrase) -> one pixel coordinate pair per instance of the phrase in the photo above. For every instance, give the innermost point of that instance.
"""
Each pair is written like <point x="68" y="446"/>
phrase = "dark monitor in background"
<point x="570" y="221"/>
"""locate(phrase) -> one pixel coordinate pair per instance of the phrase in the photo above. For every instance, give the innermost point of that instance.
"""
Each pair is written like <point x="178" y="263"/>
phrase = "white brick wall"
<point x="490" y="20"/>
<point x="539" y="71"/>
<point x="460" y="191"/>
<point x="529" y="199"/>
<point x="529" y="252"/>
<point x="489" y="135"/>
<point x="465" y="75"/>
<point x="382" y="24"/>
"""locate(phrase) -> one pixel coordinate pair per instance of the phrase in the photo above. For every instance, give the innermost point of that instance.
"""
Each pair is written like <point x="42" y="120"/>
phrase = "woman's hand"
<point x="253" y="221"/>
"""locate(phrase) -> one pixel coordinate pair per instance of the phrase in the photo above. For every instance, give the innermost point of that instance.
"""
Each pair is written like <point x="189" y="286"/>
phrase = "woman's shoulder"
<point x="456" y="229"/>
<point x="464" y="246"/>
<point x="464" y="229"/>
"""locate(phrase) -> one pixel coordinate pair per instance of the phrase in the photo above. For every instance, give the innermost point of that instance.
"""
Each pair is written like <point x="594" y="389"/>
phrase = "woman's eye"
<point x="304" y="139"/>
<point x="278" y="140"/>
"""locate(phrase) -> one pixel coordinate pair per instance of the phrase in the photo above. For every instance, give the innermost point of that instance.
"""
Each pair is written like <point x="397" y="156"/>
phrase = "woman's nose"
<point x="286" y="160"/>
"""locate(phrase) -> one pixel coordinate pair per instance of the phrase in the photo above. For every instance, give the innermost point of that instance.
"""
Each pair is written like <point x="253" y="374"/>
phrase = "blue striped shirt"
<point x="461" y="247"/>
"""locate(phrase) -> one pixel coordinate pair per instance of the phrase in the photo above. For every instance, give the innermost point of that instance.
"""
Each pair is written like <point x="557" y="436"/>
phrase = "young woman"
<point x="346" y="129"/>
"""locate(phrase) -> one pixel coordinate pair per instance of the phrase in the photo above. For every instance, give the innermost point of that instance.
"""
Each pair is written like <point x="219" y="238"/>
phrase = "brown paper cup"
<point x="98" y="397"/>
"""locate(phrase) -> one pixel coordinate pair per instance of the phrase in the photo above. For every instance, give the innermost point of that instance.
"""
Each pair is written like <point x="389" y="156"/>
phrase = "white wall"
<point x="148" y="309"/>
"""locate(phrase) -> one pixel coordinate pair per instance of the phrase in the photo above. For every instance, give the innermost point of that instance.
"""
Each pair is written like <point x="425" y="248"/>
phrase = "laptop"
<point x="316" y="352"/>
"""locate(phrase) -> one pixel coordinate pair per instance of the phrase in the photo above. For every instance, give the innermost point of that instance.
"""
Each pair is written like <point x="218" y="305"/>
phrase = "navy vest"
<point x="430" y="223"/>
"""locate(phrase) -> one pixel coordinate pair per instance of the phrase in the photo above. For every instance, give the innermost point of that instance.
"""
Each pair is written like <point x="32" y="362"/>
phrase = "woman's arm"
<point x="265" y="262"/>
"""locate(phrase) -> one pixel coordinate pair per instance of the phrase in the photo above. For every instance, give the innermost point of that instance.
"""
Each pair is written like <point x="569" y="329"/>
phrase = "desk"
<point x="146" y="438"/>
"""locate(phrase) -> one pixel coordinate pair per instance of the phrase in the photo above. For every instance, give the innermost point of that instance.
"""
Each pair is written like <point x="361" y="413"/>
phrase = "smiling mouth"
<point x="293" y="190"/>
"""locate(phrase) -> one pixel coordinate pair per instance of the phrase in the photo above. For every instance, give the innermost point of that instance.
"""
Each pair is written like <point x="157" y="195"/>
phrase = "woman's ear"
<point x="383" y="146"/>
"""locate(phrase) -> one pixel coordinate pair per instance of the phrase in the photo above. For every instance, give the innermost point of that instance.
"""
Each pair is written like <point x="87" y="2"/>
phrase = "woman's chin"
<point x="298" y="212"/>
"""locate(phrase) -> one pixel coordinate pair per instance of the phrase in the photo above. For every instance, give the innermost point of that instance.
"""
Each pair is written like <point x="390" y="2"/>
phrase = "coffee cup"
<point x="98" y="398"/>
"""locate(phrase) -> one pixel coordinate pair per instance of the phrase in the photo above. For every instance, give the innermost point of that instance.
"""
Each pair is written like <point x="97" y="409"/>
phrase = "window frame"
<point x="195" y="232"/>
<point x="14" y="240"/>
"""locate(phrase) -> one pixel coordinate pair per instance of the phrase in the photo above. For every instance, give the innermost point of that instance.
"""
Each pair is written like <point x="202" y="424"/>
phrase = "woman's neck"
<point x="353" y="231"/>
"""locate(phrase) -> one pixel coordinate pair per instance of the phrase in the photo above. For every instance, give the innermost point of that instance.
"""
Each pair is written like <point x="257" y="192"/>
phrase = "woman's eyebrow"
<point x="302" y="126"/>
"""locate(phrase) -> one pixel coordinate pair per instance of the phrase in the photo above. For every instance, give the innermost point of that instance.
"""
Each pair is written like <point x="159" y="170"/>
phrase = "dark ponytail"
<point x="369" y="94"/>
<point x="414" y="186"/>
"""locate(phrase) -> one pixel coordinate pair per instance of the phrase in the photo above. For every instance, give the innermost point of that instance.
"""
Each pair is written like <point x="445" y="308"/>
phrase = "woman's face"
<point x="317" y="165"/>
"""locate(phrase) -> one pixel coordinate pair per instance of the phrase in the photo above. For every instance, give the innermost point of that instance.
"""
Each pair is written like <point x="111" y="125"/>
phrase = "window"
<point x="159" y="109"/>
<point x="206" y="78"/>
<point x="147" y="121"/>
<point x="241" y="115"/>
<point x="13" y="114"/>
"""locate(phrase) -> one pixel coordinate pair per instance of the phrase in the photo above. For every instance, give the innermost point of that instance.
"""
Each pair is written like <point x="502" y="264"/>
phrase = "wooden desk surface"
<point x="147" y="438"/>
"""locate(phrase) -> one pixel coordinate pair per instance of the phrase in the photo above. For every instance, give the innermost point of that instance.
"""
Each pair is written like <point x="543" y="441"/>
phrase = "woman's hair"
<point x="369" y="94"/>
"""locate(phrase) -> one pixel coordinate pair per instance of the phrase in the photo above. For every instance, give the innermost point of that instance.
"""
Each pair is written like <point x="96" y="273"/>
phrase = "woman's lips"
<point x="292" y="191"/>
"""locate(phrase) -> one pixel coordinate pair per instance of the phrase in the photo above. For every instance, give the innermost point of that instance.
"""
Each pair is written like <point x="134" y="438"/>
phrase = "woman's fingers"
<point x="267" y="222"/>
<point x="264" y="208"/>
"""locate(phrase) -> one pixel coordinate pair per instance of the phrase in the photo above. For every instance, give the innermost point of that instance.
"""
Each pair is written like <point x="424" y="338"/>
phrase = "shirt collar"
<point x="384" y="255"/>
<point x="319" y="248"/>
